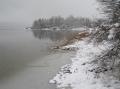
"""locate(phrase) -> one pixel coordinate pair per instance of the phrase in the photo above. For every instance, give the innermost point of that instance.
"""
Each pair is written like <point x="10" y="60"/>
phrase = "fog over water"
<point x="26" y="11"/>
<point x="27" y="62"/>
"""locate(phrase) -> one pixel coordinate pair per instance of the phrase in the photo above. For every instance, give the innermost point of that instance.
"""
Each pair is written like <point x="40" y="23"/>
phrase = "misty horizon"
<point x="25" y="11"/>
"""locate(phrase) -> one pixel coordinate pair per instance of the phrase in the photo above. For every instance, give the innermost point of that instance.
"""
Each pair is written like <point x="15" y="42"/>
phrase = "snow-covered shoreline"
<point x="77" y="74"/>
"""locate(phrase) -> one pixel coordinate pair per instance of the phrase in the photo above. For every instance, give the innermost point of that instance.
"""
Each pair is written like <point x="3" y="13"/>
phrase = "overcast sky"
<point x="29" y="10"/>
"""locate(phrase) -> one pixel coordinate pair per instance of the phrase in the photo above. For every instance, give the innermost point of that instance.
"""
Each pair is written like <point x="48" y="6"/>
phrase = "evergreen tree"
<point x="112" y="9"/>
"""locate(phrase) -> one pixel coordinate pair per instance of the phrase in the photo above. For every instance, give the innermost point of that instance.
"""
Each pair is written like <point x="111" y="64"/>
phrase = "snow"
<point x="77" y="75"/>
<point x="79" y="29"/>
<point x="111" y="33"/>
<point x="91" y="30"/>
<point x="116" y="24"/>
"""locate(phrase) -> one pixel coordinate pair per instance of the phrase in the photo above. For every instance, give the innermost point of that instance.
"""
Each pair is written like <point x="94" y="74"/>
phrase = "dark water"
<point x="27" y="62"/>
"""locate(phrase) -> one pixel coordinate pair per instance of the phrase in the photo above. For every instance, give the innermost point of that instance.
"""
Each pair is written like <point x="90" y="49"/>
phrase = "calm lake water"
<point x="26" y="62"/>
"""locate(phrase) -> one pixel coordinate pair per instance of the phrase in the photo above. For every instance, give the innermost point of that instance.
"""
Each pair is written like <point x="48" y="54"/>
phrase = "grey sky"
<point x="29" y="10"/>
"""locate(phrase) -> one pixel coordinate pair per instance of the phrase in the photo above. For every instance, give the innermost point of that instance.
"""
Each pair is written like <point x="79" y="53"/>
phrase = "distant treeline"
<point x="62" y="23"/>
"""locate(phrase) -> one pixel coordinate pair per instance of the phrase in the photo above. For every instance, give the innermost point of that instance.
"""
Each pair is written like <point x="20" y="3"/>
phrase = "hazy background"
<point x="26" y="11"/>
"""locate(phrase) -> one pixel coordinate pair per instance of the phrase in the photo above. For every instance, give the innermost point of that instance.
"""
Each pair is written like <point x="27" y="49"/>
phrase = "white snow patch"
<point x="79" y="29"/>
<point x="116" y="24"/>
<point x="76" y="74"/>
<point x="111" y="33"/>
<point x="91" y="30"/>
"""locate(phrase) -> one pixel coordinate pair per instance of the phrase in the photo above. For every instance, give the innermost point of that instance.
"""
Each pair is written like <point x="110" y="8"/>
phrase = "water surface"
<point x="27" y="62"/>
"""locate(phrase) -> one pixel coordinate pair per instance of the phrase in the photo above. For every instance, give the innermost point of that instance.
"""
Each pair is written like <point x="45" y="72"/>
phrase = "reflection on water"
<point x="26" y="62"/>
<point x="53" y="35"/>
<point x="18" y="47"/>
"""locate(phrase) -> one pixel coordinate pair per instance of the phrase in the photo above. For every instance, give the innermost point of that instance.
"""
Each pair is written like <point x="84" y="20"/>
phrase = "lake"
<point x="26" y="60"/>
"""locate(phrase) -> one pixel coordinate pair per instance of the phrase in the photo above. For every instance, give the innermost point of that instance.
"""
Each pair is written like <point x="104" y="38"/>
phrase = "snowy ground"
<point x="77" y="75"/>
